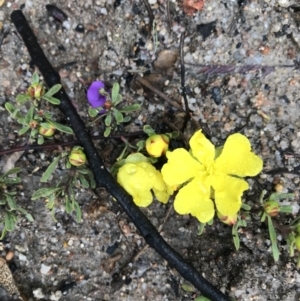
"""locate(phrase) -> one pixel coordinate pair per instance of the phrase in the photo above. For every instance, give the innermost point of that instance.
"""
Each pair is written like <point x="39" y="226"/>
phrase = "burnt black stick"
<point x="102" y="177"/>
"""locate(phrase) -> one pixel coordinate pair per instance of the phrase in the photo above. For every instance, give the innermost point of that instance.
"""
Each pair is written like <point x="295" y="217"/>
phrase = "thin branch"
<point x="28" y="147"/>
<point x="102" y="177"/>
<point x="182" y="74"/>
<point x="169" y="16"/>
<point x="150" y="13"/>
<point x="146" y="84"/>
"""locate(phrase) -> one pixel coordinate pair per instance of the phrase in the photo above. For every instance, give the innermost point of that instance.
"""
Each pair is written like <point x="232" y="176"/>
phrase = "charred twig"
<point x="140" y="252"/>
<point x="225" y="69"/>
<point x="146" y="84"/>
<point x="182" y="74"/>
<point x="182" y="78"/>
<point x="102" y="176"/>
<point x="169" y="16"/>
<point x="28" y="147"/>
<point x="175" y="128"/>
<point x="150" y="13"/>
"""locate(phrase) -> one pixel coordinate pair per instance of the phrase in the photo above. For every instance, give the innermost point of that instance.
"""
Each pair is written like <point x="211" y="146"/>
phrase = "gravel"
<point x="63" y="260"/>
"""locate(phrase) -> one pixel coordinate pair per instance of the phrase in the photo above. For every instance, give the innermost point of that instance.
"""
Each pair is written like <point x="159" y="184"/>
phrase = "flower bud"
<point x="77" y="157"/>
<point x="297" y="242"/>
<point x="33" y="124"/>
<point x="36" y="90"/>
<point x="272" y="208"/>
<point x="157" y="145"/>
<point x="228" y="220"/>
<point x="47" y="132"/>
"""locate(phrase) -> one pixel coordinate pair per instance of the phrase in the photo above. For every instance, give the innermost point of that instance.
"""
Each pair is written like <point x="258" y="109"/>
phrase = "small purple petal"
<point x="93" y="95"/>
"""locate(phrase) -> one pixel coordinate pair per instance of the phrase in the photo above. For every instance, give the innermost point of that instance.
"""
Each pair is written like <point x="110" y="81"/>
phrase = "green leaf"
<point x="276" y="196"/>
<point x="12" y="171"/>
<point x="11" y="203"/>
<point x="60" y="127"/>
<point x="187" y="288"/>
<point x="35" y="78"/>
<point x="201" y="228"/>
<point x="83" y="171"/>
<point x="78" y="212"/>
<point x="126" y="119"/>
<point x="140" y="145"/>
<point x="130" y="108"/>
<point x="235" y="234"/>
<point x="107" y="131"/>
<point x="291" y="242"/>
<point x="263" y="217"/>
<point x="286" y="209"/>
<point x="50" y="170"/>
<point x="92" y="180"/>
<point x="23" y="130"/>
<point x="29" y="115"/>
<point x="107" y="120"/>
<point x="273" y="239"/>
<point x="53" y="90"/>
<point x="51" y="203"/>
<point x="68" y="206"/>
<point x="41" y="140"/>
<point x="202" y="298"/>
<point x="148" y="130"/>
<point x="9" y="222"/>
<point x="22" y="98"/>
<point x="246" y="207"/>
<point x="51" y="99"/>
<point x="93" y="112"/>
<point x="45" y="125"/>
<point x="29" y="217"/>
<point x="44" y="192"/>
<point x="114" y="93"/>
<point x="83" y="181"/>
<point x="9" y="107"/>
<point x="262" y="195"/>
<point x="118" y="115"/>
<point x="118" y="100"/>
<point x="12" y="181"/>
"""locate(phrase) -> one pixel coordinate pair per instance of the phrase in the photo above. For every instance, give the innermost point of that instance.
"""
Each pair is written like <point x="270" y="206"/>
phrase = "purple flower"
<point x="93" y="94"/>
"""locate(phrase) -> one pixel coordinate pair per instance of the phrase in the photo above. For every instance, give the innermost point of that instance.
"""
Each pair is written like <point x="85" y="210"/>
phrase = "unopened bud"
<point x="36" y="90"/>
<point x="77" y="157"/>
<point x="47" y="132"/>
<point x="228" y="220"/>
<point x="272" y="208"/>
<point x="33" y="124"/>
<point x="157" y="145"/>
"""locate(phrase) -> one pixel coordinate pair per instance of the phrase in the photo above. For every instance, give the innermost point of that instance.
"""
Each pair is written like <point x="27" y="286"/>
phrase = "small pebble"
<point x="9" y="256"/>
<point x="38" y="293"/>
<point x="45" y="269"/>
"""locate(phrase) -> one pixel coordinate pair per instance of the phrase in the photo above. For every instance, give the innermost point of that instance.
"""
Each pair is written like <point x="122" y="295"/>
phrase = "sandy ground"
<point x="97" y="260"/>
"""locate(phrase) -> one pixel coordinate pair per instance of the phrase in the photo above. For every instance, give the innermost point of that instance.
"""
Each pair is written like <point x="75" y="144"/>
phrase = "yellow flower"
<point x="138" y="178"/>
<point x="157" y="145"/>
<point x="207" y="176"/>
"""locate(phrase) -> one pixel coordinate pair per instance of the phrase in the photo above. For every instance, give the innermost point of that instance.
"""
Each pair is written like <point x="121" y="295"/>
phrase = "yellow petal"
<point x="228" y="193"/>
<point x="237" y="158"/>
<point x="131" y="176"/>
<point x="191" y="200"/>
<point x="154" y="176"/>
<point x="202" y="148"/>
<point x="142" y="198"/>
<point x="136" y="182"/>
<point x="161" y="195"/>
<point x="180" y="168"/>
